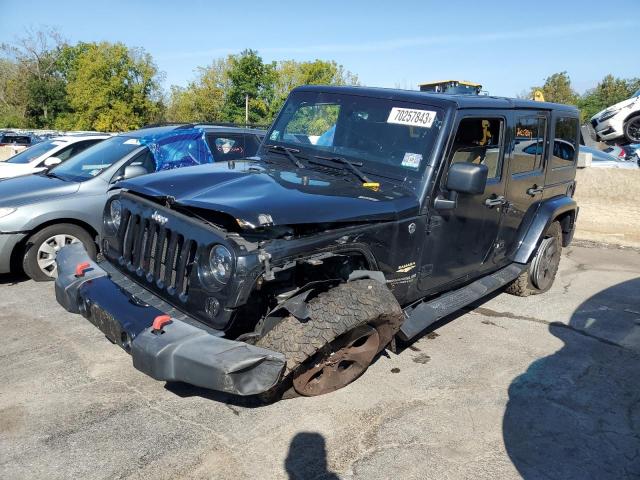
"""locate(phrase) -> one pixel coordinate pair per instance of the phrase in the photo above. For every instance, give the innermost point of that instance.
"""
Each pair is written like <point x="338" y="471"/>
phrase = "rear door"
<point x="527" y="159"/>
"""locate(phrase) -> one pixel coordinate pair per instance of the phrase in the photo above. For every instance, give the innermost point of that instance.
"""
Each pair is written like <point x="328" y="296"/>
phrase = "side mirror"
<point x="130" y="172"/>
<point x="52" y="162"/>
<point x="469" y="178"/>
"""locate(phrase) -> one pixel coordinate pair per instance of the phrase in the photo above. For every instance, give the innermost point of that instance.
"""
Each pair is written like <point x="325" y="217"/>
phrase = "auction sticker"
<point x="412" y="160"/>
<point x="409" y="116"/>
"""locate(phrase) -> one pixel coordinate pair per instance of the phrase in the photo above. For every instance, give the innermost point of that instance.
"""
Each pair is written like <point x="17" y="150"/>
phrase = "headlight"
<point x="220" y="264"/>
<point x="6" y="211"/>
<point x="608" y="115"/>
<point x="115" y="213"/>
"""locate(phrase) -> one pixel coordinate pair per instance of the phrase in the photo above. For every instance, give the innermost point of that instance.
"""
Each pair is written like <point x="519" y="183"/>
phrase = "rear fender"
<point x="561" y="208"/>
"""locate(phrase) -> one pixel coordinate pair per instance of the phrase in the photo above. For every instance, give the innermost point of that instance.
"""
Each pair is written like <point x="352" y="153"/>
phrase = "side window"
<point x="227" y="147"/>
<point x="564" y="143"/>
<point x="479" y="140"/>
<point x="65" y="153"/>
<point x="528" y="152"/>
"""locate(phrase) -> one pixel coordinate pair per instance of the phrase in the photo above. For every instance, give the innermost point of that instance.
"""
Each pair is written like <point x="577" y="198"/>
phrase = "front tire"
<point x="348" y="326"/>
<point x="631" y="129"/>
<point x="541" y="273"/>
<point x="43" y="246"/>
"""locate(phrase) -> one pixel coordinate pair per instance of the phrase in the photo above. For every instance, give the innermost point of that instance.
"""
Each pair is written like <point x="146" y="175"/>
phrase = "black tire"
<point x="333" y="315"/>
<point x="541" y="273"/>
<point x="36" y="241"/>
<point x="631" y="129"/>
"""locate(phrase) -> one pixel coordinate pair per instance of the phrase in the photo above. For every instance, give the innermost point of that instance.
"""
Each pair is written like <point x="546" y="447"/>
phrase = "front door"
<point x="462" y="241"/>
<point x="527" y="158"/>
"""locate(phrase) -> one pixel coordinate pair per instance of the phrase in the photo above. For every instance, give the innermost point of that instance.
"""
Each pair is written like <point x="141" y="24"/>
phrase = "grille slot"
<point x="164" y="258"/>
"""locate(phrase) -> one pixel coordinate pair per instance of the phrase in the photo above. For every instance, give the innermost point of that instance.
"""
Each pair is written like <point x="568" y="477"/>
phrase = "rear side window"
<point x="227" y="147"/>
<point x="564" y="143"/>
<point x="479" y="140"/>
<point x="528" y="152"/>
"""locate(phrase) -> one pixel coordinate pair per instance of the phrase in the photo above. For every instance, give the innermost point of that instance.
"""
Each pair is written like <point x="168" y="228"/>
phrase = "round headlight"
<point x="220" y="263"/>
<point x="115" y="212"/>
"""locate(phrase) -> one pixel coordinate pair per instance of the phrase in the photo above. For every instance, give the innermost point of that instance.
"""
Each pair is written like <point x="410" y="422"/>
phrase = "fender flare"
<point x="531" y="236"/>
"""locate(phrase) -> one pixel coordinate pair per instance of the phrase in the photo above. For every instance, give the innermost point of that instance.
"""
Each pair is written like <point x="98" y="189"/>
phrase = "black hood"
<point x="246" y="189"/>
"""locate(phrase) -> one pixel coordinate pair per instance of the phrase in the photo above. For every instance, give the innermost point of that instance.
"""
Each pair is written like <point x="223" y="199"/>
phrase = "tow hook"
<point x="159" y="322"/>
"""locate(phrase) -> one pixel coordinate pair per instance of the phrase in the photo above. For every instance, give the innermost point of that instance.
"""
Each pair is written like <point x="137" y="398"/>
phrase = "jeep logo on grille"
<point x="156" y="217"/>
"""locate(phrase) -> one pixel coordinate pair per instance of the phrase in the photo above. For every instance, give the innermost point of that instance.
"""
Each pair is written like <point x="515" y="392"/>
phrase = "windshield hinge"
<point x="433" y="222"/>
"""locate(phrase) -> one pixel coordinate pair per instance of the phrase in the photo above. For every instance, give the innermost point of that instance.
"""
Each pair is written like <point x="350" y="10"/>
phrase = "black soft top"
<point x="441" y="99"/>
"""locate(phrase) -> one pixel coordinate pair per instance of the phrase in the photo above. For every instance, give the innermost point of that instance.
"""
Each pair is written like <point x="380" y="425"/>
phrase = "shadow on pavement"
<point x="576" y="414"/>
<point x="12" y="278"/>
<point x="307" y="458"/>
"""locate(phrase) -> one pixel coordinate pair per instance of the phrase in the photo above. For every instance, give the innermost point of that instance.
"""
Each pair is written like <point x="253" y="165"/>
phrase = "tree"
<point x="557" y="88"/>
<point x="249" y="75"/>
<point x="111" y="88"/>
<point x="609" y="91"/>
<point x="42" y="87"/>
<point x="203" y="99"/>
<point x="291" y="74"/>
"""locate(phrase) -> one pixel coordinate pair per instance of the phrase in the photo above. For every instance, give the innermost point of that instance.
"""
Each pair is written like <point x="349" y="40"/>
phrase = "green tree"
<point x="111" y="88"/>
<point x="249" y="75"/>
<point x="557" y="88"/>
<point x="290" y="74"/>
<point x="13" y="99"/>
<point x="609" y="91"/>
<point x="203" y="99"/>
<point x="35" y="58"/>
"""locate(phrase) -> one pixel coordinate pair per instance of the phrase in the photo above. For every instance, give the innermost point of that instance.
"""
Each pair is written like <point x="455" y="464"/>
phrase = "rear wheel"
<point x="540" y="275"/>
<point x="39" y="260"/>
<point x="348" y="326"/>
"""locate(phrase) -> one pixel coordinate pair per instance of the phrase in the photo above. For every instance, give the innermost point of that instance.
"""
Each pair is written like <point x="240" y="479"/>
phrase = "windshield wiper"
<point x="52" y="174"/>
<point x="289" y="152"/>
<point x="353" y="166"/>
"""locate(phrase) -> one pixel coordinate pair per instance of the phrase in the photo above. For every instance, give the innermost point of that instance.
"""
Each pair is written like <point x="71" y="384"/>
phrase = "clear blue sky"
<point x="507" y="46"/>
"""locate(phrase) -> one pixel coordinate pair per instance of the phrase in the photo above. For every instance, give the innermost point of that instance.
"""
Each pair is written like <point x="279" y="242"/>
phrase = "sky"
<point x="506" y="46"/>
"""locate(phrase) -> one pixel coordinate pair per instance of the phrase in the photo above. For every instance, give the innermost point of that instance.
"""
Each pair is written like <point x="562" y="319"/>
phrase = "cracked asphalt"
<point x="544" y="387"/>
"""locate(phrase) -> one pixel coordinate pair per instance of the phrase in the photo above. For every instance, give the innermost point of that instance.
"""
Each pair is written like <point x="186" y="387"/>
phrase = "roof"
<point x="155" y="131"/>
<point x="75" y="138"/>
<point x="461" y="82"/>
<point x="443" y="100"/>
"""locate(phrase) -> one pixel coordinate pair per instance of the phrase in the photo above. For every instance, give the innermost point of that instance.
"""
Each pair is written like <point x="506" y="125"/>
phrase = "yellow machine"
<point x="538" y="96"/>
<point x="458" y="87"/>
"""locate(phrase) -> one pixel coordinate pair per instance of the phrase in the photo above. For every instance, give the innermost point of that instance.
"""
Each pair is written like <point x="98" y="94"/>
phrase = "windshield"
<point x="94" y="160"/>
<point x="382" y="134"/>
<point x="31" y="153"/>
<point x="637" y="94"/>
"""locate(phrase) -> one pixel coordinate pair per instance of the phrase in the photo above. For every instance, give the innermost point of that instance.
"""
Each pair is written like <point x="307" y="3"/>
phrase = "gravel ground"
<point x="537" y="387"/>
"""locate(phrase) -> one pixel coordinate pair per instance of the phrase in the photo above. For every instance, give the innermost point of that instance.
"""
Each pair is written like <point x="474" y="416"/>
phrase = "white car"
<point x="45" y="155"/>
<point x="620" y="120"/>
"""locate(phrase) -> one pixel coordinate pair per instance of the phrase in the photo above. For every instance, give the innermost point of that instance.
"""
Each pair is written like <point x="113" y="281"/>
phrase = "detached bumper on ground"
<point x="182" y="350"/>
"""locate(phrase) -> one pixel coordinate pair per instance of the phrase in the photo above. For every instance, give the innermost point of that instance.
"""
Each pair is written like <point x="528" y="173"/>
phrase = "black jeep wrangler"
<point x="368" y="215"/>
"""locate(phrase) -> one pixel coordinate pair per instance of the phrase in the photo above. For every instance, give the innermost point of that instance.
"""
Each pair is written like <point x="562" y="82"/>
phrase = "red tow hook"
<point x="159" y="322"/>
<point x="81" y="268"/>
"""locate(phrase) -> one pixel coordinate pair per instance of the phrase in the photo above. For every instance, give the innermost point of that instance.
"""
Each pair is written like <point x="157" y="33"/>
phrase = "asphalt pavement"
<point x="544" y="387"/>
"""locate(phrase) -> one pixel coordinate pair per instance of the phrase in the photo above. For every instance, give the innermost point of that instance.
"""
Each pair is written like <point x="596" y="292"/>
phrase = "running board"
<point x="422" y="315"/>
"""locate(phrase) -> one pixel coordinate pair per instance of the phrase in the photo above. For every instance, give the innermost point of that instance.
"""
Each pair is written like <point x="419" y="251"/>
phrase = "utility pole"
<point x="246" y="110"/>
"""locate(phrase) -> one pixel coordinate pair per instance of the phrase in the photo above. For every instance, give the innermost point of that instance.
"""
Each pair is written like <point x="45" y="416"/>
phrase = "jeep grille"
<point x="161" y="256"/>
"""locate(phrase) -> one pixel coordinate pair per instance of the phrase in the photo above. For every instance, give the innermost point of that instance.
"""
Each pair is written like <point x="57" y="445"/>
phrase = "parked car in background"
<point x="631" y="151"/>
<point x="18" y="141"/>
<point x="601" y="159"/>
<point x="41" y="213"/>
<point x="617" y="152"/>
<point x="47" y="154"/>
<point x="621" y="120"/>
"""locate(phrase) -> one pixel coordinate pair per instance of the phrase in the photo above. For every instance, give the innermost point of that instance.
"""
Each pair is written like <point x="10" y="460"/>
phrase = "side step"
<point x="422" y="315"/>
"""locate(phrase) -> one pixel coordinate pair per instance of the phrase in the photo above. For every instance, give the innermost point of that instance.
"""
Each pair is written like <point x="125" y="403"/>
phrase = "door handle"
<point x="495" y="201"/>
<point x="533" y="191"/>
